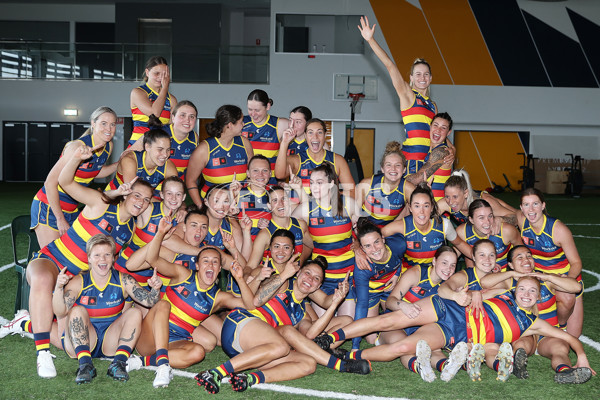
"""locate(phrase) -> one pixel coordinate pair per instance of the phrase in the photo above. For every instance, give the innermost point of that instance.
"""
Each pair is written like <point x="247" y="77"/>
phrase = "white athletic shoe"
<point x="476" y="357"/>
<point x="45" y="365"/>
<point x="164" y="375"/>
<point x="424" y="361"/>
<point x="14" y="326"/>
<point x="134" y="363"/>
<point x="505" y="358"/>
<point x="457" y="358"/>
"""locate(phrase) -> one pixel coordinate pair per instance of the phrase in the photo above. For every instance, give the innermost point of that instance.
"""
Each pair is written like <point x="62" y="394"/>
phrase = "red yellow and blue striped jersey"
<point x="307" y="164"/>
<point x="255" y="206"/>
<point x="384" y="207"/>
<point x="181" y="151"/>
<point x="282" y="309"/>
<point x="190" y="305"/>
<point x="155" y="178"/>
<point x="382" y="273"/>
<point x="421" y="246"/>
<point x="332" y="238"/>
<point x="548" y="256"/>
<point x="141" y="237"/>
<point x="140" y="120"/>
<point x="502" y="321"/>
<point x="297" y="147"/>
<point x="85" y="174"/>
<point x="424" y="288"/>
<point x="69" y="250"/>
<point x="264" y="140"/>
<point x="215" y="238"/>
<point x="223" y="163"/>
<point x="502" y="248"/>
<point x="440" y="176"/>
<point x="294" y="227"/>
<point x="417" y="121"/>
<point x="103" y="304"/>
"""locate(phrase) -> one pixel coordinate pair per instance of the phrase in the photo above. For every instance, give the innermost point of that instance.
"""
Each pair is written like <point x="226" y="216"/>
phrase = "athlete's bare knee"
<point x="308" y="366"/>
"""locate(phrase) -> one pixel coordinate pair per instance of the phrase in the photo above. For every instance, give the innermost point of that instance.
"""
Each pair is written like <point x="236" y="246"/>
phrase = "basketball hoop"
<point x="355" y="101"/>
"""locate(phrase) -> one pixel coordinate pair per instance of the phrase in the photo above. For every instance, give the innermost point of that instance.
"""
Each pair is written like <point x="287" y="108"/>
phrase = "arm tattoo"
<point x="435" y="162"/>
<point x="144" y="297"/>
<point x="269" y="288"/>
<point x="80" y="334"/>
<point x="69" y="301"/>
<point x="510" y="219"/>
<point x="129" y="339"/>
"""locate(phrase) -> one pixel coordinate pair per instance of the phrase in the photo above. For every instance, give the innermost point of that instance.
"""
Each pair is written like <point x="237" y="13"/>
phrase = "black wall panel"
<point x="561" y="55"/>
<point x="509" y="42"/>
<point x="13" y="165"/>
<point x="588" y="34"/>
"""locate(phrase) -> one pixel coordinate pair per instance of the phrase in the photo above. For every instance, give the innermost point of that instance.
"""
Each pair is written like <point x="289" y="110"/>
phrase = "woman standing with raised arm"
<point x="151" y="98"/>
<point x="416" y="107"/>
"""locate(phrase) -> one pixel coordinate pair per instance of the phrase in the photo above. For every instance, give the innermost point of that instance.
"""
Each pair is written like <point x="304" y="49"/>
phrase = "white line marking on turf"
<point x="586" y="237"/>
<point x="4" y="227"/>
<point x="289" y="389"/>
<point x="597" y="285"/>
<point x="7" y="266"/>
<point x="589" y="342"/>
<point x="582" y="224"/>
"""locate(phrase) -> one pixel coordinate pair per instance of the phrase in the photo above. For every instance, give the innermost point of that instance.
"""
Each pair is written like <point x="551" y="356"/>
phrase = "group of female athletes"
<point x="281" y="257"/>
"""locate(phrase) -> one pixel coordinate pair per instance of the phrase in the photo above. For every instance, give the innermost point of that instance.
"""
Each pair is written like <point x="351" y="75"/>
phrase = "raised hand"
<point x="62" y="279"/>
<point x="84" y="152"/>
<point x="288" y="136"/>
<point x="155" y="282"/>
<point x="462" y="297"/>
<point x="342" y="290"/>
<point x="265" y="271"/>
<point x="410" y="310"/>
<point x="292" y="266"/>
<point x="245" y="221"/>
<point x="236" y="270"/>
<point x="164" y="225"/>
<point x="263" y="223"/>
<point x="365" y="30"/>
<point x="228" y="240"/>
<point x="166" y="79"/>
<point x="295" y="180"/>
<point x="126" y="187"/>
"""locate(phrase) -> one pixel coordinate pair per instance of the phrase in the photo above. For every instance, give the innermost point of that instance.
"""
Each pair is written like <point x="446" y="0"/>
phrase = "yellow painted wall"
<point x="494" y="152"/>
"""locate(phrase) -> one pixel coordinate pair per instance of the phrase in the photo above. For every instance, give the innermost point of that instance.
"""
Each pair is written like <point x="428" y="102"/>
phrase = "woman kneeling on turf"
<point x="93" y="303"/>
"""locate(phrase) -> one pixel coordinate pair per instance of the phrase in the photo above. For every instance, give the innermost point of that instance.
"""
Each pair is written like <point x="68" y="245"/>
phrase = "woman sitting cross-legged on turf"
<point x="415" y="284"/>
<point x="93" y="304"/>
<point x="113" y="217"/>
<point x="253" y="339"/>
<point x="424" y="230"/>
<point x="557" y="350"/>
<point x="373" y="285"/>
<point x="191" y="297"/>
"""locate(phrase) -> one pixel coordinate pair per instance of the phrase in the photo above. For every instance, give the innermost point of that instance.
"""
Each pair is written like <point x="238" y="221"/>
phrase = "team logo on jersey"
<point x="104" y="224"/>
<point x="281" y="296"/>
<point x="291" y="152"/>
<point x="419" y="291"/>
<point x="373" y="200"/>
<point x="249" y="204"/>
<point x="87" y="165"/>
<point x="413" y="245"/>
<point x="172" y="152"/>
<point x="88" y="300"/>
<point x="304" y="172"/>
<point x="317" y="221"/>
<point x="248" y="135"/>
<point x="152" y="228"/>
<point x="182" y="290"/>
<point x="530" y="242"/>
<point x="420" y="102"/>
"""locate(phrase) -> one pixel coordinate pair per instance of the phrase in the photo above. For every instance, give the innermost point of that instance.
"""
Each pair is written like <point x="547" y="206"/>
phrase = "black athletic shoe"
<point x="85" y="373"/>
<point x="209" y="380"/>
<point x="118" y="371"/>
<point x="573" y="375"/>
<point x="241" y="382"/>
<point x="342" y="354"/>
<point x="324" y="341"/>
<point x="362" y="367"/>
<point x="520" y="364"/>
